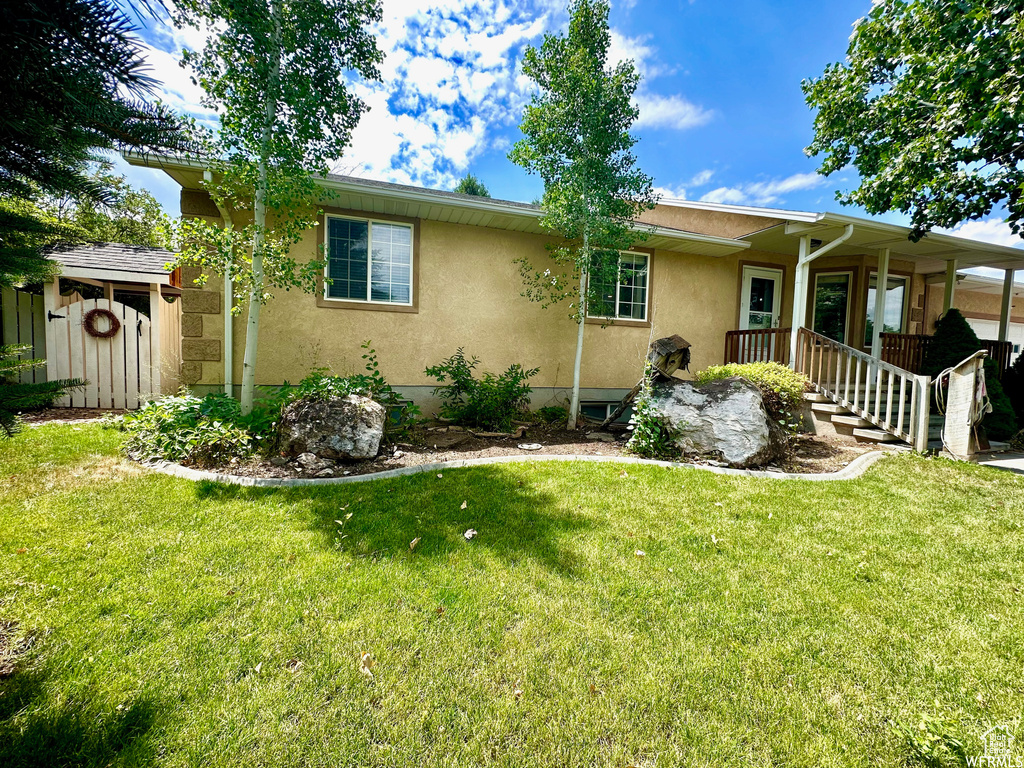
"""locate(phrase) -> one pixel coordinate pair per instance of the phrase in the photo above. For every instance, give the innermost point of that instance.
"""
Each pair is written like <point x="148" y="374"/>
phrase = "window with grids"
<point x="369" y="261"/>
<point x="626" y="299"/>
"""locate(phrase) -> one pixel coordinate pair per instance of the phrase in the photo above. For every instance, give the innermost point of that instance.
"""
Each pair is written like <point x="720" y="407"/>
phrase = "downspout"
<point x="801" y="284"/>
<point x="229" y="296"/>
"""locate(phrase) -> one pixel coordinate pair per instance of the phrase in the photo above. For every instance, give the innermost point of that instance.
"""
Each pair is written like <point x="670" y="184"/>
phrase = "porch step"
<point x="816" y="397"/>
<point x="830" y="407"/>
<point x="850" y="421"/>
<point x="875" y="436"/>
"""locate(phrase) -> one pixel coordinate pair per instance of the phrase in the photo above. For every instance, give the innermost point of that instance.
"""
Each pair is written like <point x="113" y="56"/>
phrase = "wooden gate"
<point x="21" y="322"/>
<point x="122" y="371"/>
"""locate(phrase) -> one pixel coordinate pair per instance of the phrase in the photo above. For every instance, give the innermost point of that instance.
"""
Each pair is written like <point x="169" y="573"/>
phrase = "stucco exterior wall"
<point x="469" y="295"/>
<point x="707" y="222"/>
<point x="979" y="306"/>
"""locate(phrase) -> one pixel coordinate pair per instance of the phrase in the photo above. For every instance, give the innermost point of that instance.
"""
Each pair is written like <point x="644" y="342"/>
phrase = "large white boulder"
<point x="338" y="428"/>
<point x="723" y="419"/>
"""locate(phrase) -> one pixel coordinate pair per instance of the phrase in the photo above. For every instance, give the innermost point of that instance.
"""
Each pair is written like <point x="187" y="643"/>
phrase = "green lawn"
<point x="769" y="622"/>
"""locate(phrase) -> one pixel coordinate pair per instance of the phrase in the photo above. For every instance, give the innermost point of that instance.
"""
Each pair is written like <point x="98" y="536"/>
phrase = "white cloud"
<point x="673" y="111"/>
<point x="764" y="192"/>
<point x="993" y="230"/>
<point x="679" y="192"/>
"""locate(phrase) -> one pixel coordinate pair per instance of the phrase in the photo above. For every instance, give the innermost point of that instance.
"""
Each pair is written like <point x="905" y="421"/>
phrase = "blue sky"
<point x="722" y="117"/>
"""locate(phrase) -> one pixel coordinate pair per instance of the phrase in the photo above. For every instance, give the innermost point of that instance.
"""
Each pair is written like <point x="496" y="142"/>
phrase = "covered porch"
<point x="867" y="373"/>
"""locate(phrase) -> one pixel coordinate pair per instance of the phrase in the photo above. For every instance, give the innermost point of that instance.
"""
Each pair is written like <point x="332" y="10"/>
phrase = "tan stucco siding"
<point x="716" y="223"/>
<point x="980" y="306"/>
<point x="469" y="296"/>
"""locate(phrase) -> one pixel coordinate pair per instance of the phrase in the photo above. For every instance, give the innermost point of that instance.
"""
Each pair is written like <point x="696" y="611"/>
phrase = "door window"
<point x="831" y="305"/>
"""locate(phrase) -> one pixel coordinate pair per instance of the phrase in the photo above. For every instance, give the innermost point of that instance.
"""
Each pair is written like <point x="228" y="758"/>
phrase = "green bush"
<point x="553" y="414"/>
<point x="490" y="402"/>
<point x="781" y="388"/>
<point x="1013" y="385"/>
<point x="202" y="431"/>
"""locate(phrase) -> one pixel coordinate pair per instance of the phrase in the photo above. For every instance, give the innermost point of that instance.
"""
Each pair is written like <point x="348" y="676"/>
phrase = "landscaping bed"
<point x="432" y="444"/>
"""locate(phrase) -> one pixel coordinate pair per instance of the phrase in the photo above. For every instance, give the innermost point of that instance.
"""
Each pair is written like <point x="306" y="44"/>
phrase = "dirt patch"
<point x="13" y="645"/>
<point x="66" y="415"/>
<point x="429" y="445"/>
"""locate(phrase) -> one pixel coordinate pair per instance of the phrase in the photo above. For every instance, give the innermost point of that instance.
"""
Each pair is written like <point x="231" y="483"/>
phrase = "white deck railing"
<point x="891" y="398"/>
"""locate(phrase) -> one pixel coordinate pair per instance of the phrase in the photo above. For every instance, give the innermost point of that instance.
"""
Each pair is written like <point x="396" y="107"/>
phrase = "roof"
<point x="114" y="261"/>
<point x="382" y="197"/>
<point x="930" y="253"/>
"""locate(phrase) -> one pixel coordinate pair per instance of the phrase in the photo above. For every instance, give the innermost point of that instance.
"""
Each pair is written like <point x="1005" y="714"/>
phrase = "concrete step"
<point x="875" y="436"/>
<point x="830" y="407"/>
<point x="816" y="397"/>
<point x="850" y="421"/>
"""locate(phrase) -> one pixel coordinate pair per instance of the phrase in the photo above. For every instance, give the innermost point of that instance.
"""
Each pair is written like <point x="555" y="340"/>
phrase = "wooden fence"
<point x="907" y="350"/>
<point x="760" y="345"/>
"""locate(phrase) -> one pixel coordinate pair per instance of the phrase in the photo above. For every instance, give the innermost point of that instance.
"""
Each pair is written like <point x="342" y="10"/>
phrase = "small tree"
<point x="576" y="137"/>
<point x="278" y="73"/>
<point x="926" y="108"/>
<point x="471" y="185"/>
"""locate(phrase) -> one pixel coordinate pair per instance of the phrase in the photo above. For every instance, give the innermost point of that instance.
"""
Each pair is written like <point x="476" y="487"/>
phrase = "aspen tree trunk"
<point x="574" y="405"/>
<point x="252" y="326"/>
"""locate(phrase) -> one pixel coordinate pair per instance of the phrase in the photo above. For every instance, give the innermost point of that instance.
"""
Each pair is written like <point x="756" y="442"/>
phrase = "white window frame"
<point x="870" y="307"/>
<point x="647" y="294"/>
<point x="849" y="300"/>
<point x="369" y="256"/>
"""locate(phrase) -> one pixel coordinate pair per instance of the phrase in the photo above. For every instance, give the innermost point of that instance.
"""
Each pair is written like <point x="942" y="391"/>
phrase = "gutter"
<point x="229" y="297"/>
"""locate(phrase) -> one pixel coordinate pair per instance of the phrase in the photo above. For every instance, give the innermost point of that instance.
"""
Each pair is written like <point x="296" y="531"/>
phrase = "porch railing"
<point x="760" y="345"/>
<point x="907" y="350"/>
<point x="890" y="397"/>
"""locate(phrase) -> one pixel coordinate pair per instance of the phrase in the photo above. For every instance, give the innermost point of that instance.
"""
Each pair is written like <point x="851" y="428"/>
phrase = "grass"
<point x="768" y="623"/>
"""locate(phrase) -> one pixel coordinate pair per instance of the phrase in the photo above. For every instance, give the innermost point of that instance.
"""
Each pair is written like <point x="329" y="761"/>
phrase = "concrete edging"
<point x="853" y="470"/>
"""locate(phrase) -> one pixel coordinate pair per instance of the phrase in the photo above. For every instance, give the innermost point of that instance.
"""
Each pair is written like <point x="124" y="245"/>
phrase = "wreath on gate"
<point x="89" y="323"/>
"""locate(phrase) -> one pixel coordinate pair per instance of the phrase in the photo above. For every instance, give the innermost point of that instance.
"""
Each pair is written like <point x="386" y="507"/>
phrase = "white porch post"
<point x="949" y="294"/>
<point x="1006" y="306"/>
<point x="799" y="296"/>
<point x="881" y="288"/>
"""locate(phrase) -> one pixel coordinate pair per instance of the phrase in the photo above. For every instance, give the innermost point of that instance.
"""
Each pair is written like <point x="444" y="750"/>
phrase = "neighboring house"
<point x="422" y="272"/>
<point x="125" y="360"/>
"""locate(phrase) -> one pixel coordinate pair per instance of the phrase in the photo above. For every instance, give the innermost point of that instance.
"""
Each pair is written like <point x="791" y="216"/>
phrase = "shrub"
<point x="1013" y="385"/>
<point x="490" y="402"/>
<point x="203" y="431"/>
<point x="781" y="388"/>
<point x="553" y="414"/>
<point x="650" y="437"/>
<point x="16" y="397"/>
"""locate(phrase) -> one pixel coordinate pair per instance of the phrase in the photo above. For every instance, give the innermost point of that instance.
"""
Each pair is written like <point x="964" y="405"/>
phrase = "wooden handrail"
<point x="892" y="398"/>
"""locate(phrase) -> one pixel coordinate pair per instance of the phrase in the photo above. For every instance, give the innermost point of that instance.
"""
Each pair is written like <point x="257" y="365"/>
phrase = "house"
<point x="112" y="317"/>
<point x="422" y="272"/>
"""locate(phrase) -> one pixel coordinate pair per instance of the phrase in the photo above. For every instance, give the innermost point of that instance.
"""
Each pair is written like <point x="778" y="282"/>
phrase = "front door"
<point x="760" y="305"/>
<point x="761" y="298"/>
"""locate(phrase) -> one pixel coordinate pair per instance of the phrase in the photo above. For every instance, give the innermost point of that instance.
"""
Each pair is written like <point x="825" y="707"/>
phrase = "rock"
<point x="311" y="464"/>
<point x="278" y="461"/>
<point x="329" y="472"/>
<point x="723" y="419"/>
<point x="604" y="437"/>
<point x="339" y="428"/>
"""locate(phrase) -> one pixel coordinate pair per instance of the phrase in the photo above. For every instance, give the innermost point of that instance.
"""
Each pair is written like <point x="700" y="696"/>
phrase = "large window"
<point x="369" y="261"/>
<point x="626" y="297"/>
<point x="895" y="300"/>
<point x="831" y="304"/>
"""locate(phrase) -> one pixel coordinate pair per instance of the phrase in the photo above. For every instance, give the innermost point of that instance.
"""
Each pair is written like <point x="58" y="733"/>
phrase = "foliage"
<point x="25" y="229"/>
<point x="576" y="137"/>
<point x="202" y="431"/>
<point x="1013" y="385"/>
<point x="926" y="108"/>
<point x="931" y="744"/>
<point x="553" y="414"/>
<point x="124" y="215"/>
<point x="280" y="74"/>
<point x="74" y="82"/>
<point x="321" y="385"/>
<point x="471" y="185"/>
<point x="16" y="397"/>
<point x="491" y="402"/>
<point x="954" y="341"/>
<point x="782" y="388"/>
<point x="650" y="435"/>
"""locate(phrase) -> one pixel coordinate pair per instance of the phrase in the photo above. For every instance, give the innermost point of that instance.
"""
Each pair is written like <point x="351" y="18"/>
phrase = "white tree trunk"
<point x="574" y="404"/>
<point x="252" y="326"/>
